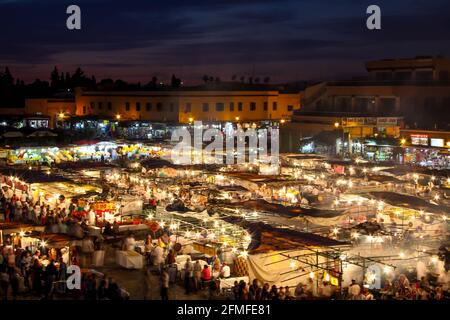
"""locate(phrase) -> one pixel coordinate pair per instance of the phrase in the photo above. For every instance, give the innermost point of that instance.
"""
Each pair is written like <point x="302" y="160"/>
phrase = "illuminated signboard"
<point x="419" y="139"/>
<point x="437" y="142"/>
<point x="387" y="121"/>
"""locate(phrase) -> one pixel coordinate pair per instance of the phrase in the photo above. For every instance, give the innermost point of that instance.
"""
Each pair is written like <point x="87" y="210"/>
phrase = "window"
<point x="110" y="105"/>
<point x="274" y="106"/>
<point x="92" y="105"/>
<point x="159" y="106"/>
<point x="138" y="106"/>
<point x="231" y="106"/>
<point x="239" y="106"/>
<point x="266" y="105"/>
<point x="403" y="75"/>
<point x="444" y="76"/>
<point x="148" y="106"/>
<point x="84" y="109"/>
<point x="383" y="76"/>
<point x="205" y="107"/>
<point x="219" y="106"/>
<point x="127" y="106"/>
<point x="100" y="105"/>
<point x="430" y="102"/>
<point x="188" y="107"/>
<point x="252" y="106"/>
<point x="424" y="75"/>
<point x="290" y="108"/>
<point x="171" y="107"/>
<point x="386" y="106"/>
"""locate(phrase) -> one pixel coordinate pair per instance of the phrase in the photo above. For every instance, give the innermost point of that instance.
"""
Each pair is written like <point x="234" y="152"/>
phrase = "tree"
<point x="233" y="77"/>
<point x="6" y="79"/>
<point x="217" y="80"/>
<point x="256" y="80"/>
<point x="153" y="83"/>
<point x="250" y="80"/>
<point x="205" y="78"/>
<point x="68" y="80"/>
<point x="242" y="78"/>
<point x="55" y="81"/>
<point x="266" y="80"/>
<point x="175" y="82"/>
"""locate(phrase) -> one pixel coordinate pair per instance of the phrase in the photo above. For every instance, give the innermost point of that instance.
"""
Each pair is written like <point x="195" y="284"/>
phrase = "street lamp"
<point x="282" y="121"/>
<point x="337" y="125"/>
<point x="118" y="117"/>
<point x="61" y="115"/>
<point x="237" y="118"/>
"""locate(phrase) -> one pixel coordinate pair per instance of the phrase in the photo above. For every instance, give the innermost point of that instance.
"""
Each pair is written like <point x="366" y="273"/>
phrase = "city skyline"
<point x="285" y="40"/>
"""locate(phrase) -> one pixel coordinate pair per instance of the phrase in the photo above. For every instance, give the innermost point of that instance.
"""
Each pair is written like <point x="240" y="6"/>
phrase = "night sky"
<point x="284" y="39"/>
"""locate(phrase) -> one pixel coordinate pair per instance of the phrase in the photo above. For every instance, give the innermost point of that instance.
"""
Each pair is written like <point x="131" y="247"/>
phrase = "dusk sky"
<point x="284" y="39"/>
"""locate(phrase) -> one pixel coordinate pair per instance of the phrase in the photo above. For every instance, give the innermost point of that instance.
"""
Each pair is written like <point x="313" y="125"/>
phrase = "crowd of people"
<point x="44" y="274"/>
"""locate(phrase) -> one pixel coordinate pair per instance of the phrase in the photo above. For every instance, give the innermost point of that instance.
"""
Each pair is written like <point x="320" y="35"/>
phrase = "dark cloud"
<point x="285" y="38"/>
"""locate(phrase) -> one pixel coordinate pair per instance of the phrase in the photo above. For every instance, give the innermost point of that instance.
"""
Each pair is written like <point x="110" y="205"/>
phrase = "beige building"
<point x="397" y="93"/>
<point x="189" y="104"/>
<point x="56" y="109"/>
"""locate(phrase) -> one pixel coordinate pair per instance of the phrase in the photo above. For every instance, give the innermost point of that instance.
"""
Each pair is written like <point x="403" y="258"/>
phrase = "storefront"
<point x="380" y="150"/>
<point x="427" y="148"/>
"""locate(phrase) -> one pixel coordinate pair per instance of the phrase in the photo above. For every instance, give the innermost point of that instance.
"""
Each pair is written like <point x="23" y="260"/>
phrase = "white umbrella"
<point x="42" y="134"/>
<point x="12" y="134"/>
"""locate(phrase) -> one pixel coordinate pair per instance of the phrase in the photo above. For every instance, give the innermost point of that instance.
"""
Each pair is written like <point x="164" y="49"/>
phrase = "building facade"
<point x="397" y="93"/>
<point x="188" y="105"/>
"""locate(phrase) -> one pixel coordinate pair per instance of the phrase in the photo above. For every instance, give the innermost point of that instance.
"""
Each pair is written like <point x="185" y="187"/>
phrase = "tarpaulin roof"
<point x="383" y="178"/>
<point x="268" y="238"/>
<point x="232" y="188"/>
<point x="287" y="211"/>
<point x="56" y="239"/>
<point x="32" y="176"/>
<point x="410" y="202"/>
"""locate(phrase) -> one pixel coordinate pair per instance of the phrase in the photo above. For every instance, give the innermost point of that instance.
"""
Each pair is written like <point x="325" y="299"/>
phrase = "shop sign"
<point x="103" y="206"/>
<point x="434" y="142"/>
<point x="355" y="121"/>
<point x="386" y="121"/>
<point x="419" y="139"/>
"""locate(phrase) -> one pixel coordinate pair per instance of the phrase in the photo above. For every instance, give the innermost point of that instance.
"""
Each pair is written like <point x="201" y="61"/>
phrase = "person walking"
<point x="197" y="275"/>
<point x="188" y="275"/>
<point x="147" y="285"/>
<point x="164" y="284"/>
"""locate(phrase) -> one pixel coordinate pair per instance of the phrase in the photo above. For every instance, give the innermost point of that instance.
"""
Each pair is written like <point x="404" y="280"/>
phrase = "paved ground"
<point x="134" y="281"/>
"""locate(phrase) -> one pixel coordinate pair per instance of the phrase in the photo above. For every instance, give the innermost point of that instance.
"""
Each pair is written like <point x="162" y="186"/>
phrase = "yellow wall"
<point x="180" y="100"/>
<point x="49" y="107"/>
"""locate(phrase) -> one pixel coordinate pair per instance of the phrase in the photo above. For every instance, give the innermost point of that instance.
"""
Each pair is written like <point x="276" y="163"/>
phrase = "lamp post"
<point x="336" y="125"/>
